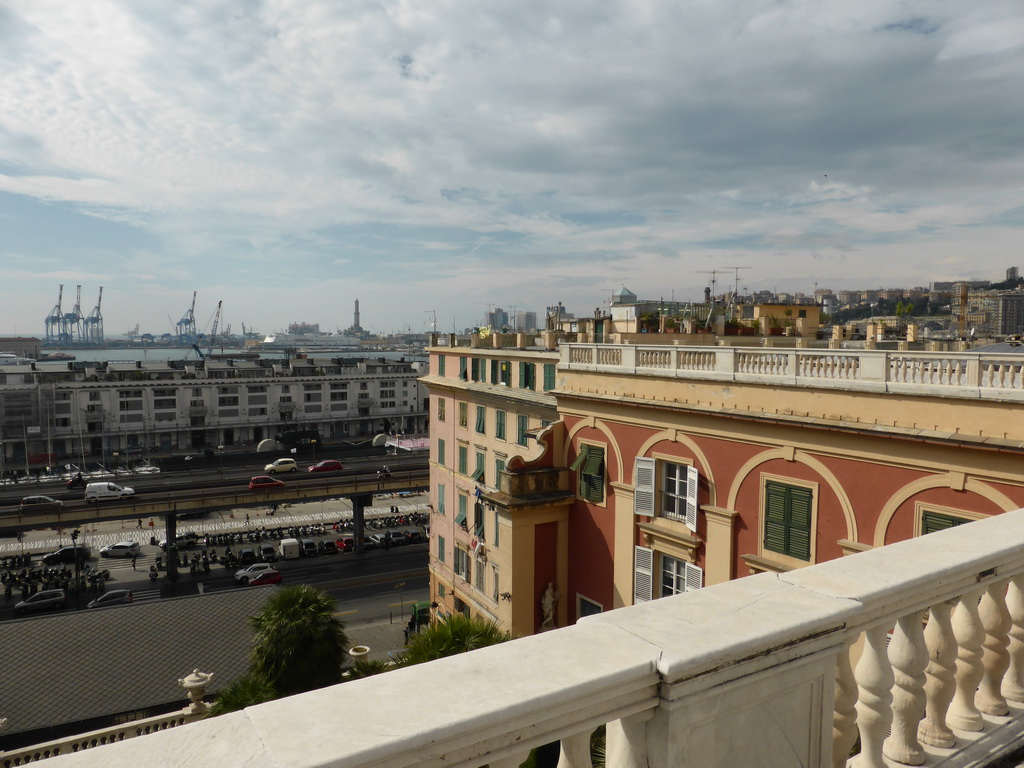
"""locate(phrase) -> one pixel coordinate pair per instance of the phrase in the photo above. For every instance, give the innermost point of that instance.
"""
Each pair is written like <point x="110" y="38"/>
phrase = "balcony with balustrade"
<point x="911" y="654"/>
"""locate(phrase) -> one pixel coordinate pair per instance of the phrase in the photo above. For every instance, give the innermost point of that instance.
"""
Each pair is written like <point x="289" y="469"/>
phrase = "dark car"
<point x="43" y="601"/>
<point x="41" y="504"/>
<point x="268" y="554"/>
<point x="265" y="483"/>
<point x="247" y="556"/>
<point x="113" y="597"/>
<point x="327" y="465"/>
<point x="330" y="548"/>
<point x="67" y="555"/>
<point x="414" y="537"/>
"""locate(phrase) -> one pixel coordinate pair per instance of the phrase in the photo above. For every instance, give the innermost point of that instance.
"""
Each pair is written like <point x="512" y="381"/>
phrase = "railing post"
<point x="969" y="633"/>
<point x="844" y="716"/>
<point x="1013" y="681"/>
<point x="909" y="657"/>
<point x="996" y="620"/>
<point x="874" y="705"/>
<point x="575" y="751"/>
<point x="940" y="686"/>
<point x="626" y="741"/>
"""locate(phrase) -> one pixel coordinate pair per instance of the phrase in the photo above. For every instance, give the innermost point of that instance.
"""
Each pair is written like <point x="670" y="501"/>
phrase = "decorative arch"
<point x="592" y="423"/>
<point x="675" y="436"/>
<point x="788" y="454"/>
<point x="986" y="491"/>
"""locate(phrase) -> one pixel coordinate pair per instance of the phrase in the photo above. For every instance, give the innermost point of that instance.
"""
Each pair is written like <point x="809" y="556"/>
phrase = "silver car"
<point x="251" y="572"/>
<point x="121" y="549"/>
<point x="43" y="601"/>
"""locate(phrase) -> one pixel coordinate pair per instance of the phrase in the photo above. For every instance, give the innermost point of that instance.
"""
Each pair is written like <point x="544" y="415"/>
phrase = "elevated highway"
<point x="173" y="494"/>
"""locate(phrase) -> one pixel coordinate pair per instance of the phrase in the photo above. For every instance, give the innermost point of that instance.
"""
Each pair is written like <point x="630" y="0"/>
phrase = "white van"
<point x="289" y="549"/>
<point x="100" y="491"/>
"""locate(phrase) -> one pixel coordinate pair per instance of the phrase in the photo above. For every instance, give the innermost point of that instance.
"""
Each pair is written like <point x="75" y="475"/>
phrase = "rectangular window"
<point x="478" y="470"/>
<point x="440" y="365"/>
<point x="589" y="469"/>
<point x="461" y="563"/>
<point x="478" y="520"/>
<point x="440" y="452"/>
<point x="440" y="408"/>
<point x="549" y="376"/>
<point x="495" y="589"/>
<point x="673" y="496"/>
<point x="497" y="529"/>
<point x="440" y="498"/>
<point x="481" y="419"/>
<point x="460" y="519"/>
<point x="463" y="459"/>
<point x="527" y="375"/>
<point x="494" y="372"/>
<point x="480" y="574"/>
<point x="463" y="364"/>
<point x="440" y="549"/>
<point x="478" y="369"/>
<point x="787" y="520"/>
<point x="505" y="372"/>
<point x="679" y="576"/>
<point x="522" y="424"/>
<point x="499" y="425"/>
<point x="934" y="521"/>
<point x="463" y="414"/>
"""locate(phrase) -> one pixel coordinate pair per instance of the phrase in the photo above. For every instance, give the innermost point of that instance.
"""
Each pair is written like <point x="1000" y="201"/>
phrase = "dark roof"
<point x="63" y="668"/>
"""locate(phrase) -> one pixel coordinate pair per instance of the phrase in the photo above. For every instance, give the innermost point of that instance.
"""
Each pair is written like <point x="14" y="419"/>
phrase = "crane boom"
<point x="213" y="332"/>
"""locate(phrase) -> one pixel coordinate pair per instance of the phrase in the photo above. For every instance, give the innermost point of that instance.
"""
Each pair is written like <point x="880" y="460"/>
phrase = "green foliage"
<point x="244" y="692"/>
<point x="367" y="668"/>
<point x="452" y="635"/>
<point x="300" y="645"/>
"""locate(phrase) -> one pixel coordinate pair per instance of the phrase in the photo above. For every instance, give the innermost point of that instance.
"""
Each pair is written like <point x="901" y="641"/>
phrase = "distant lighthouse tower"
<point x="355" y="324"/>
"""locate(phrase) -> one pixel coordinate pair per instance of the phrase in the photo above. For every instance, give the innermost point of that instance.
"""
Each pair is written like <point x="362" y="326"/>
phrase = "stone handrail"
<point x="752" y="672"/>
<point x="958" y="374"/>
<point x="98" y="738"/>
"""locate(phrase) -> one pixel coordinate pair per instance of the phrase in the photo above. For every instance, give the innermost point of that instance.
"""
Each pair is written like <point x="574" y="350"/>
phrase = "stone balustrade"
<point x="759" y="671"/>
<point x="963" y="374"/>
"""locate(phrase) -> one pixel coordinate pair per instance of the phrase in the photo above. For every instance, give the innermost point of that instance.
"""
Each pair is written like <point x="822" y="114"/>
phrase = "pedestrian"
<point x="133" y="562"/>
<point x="139" y="525"/>
<point x="247" y="517"/>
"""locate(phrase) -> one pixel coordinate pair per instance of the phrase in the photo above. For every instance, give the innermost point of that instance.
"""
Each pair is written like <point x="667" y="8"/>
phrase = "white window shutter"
<point x="692" y="480"/>
<point x="694" y="577"/>
<point x="643" y="575"/>
<point x="643" y="493"/>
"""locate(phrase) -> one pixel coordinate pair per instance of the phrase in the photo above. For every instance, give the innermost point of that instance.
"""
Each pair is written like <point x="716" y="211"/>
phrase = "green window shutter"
<point x="499" y="425"/>
<point x="775" y="518"/>
<point x="549" y="376"/>
<point x="481" y="419"/>
<point x="440" y="452"/>
<point x="440" y="365"/>
<point x="478" y="520"/>
<point x="460" y="519"/>
<point x="933" y="521"/>
<point x="595" y="456"/>
<point x="499" y="465"/>
<point x="580" y="458"/>
<point x="462" y="368"/>
<point x="440" y="548"/>
<point x="440" y="499"/>
<point x="800" y="523"/>
<point x="463" y="459"/>
<point x="522" y="375"/>
<point x="494" y="371"/>
<point x="497" y="528"/>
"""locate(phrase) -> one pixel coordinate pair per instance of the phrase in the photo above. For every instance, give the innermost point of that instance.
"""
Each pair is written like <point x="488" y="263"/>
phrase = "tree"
<point x="300" y="645"/>
<point x="244" y="692"/>
<point x="452" y="635"/>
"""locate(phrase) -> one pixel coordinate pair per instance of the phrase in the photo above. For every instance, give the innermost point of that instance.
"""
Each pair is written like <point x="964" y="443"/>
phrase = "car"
<point x="376" y="540"/>
<point x="268" y="553"/>
<point x="67" y="555"/>
<point x="185" y="540"/>
<point x="41" y="504"/>
<point x="273" y="576"/>
<point x="121" y="549"/>
<point x="327" y="465"/>
<point x="247" y="556"/>
<point x="264" y="483"/>
<point x="281" y="465"/>
<point x="397" y="538"/>
<point x="329" y="547"/>
<point x="113" y="597"/>
<point x="345" y="544"/>
<point x="414" y="537"/>
<point x="43" y="601"/>
<point x="96" y="491"/>
<point x="307" y="548"/>
<point x="250" y="572"/>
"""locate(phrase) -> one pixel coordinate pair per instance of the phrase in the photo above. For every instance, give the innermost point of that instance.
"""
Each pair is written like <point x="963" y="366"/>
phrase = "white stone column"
<point x="626" y="741"/>
<point x="969" y="633"/>
<point x="996" y="659"/>
<point x="908" y="655"/>
<point x="844" y="716"/>
<point x="874" y="705"/>
<point x="940" y="685"/>
<point x="1013" y="681"/>
<point x="575" y="751"/>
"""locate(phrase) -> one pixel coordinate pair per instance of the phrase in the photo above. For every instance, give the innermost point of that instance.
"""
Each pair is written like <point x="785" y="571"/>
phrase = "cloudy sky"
<point x="288" y="157"/>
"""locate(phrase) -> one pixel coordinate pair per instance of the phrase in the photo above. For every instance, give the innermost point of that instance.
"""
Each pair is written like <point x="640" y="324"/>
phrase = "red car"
<point x="267" y="577"/>
<point x="327" y="465"/>
<point x="265" y="483"/>
<point x="345" y="544"/>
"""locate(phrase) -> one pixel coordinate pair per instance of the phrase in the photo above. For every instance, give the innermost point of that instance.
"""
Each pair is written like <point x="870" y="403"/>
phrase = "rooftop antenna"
<point x="433" y="319"/>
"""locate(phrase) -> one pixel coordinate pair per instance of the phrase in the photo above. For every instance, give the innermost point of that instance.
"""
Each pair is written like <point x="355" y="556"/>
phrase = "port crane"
<point x="211" y="339"/>
<point x="94" y="323"/>
<point x="187" y="325"/>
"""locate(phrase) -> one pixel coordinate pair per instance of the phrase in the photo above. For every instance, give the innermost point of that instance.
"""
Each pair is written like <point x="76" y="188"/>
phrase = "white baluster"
<point x="1013" y="682"/>
<point x="970" y="634"/>
<point x="996" y="620"/>
<point x="844" y="715"/>
<point x="626" y="741"/>
<point x="575" y="751"/>
<point x="940" y="685"/>
<point x="874" y="705"/>
<point x="908" y="656"/>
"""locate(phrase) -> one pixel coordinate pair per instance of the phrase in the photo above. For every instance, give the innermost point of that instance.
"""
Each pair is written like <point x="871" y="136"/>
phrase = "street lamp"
<point x="401" y="604"/>
<point x="78" y="585"/>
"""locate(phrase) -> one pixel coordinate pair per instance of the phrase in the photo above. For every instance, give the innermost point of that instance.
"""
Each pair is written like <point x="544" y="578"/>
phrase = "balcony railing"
<point x="754" y="672"/>
<point x="965" y="374"/>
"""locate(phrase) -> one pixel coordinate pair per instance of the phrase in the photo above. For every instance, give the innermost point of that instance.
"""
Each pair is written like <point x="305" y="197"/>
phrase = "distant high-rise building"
<point x="526" y="321"/>
<point x="300" y="328"/>
<point x="1013" y="273"/>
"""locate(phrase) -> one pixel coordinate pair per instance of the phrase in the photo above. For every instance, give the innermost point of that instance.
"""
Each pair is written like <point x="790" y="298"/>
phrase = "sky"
<point x="436" y="159"/>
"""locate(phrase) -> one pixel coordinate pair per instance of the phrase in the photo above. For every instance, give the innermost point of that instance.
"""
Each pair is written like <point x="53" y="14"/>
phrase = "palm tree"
<point x="451" y="635"/>
<point x="300" y="645"/>
<point x="244" y="692"/>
